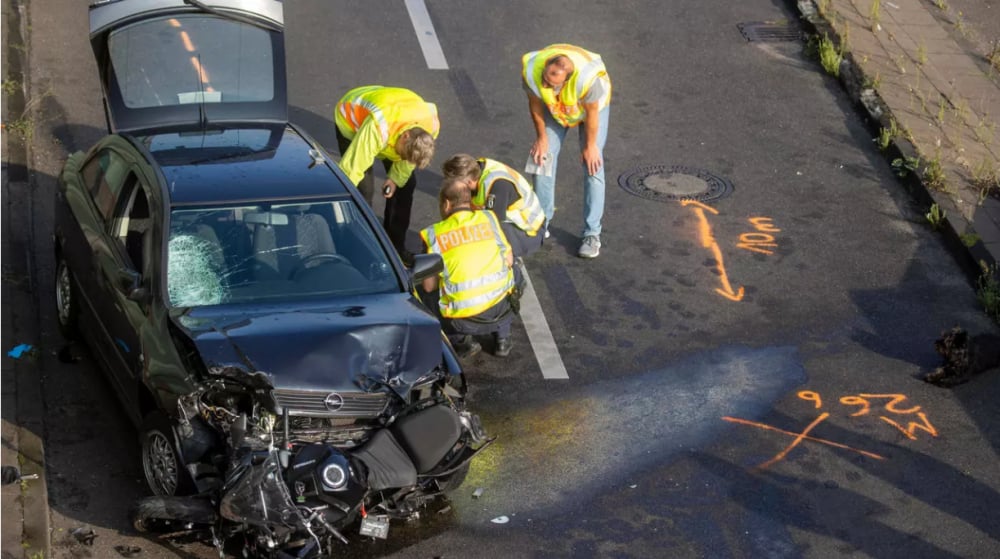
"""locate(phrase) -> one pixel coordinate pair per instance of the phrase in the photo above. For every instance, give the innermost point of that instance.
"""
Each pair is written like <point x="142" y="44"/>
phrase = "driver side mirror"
<point x="425" y="266"/>
<point x="130" y="284"/>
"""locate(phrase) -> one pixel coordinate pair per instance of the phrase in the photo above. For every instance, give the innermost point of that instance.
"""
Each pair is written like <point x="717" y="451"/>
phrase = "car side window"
<point x="106" y="190"/>
<point x="132" y="220"/>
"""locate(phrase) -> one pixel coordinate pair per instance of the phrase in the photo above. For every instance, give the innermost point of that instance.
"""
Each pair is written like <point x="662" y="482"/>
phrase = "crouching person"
<point x="503" y="190"/>
<point x="477" y="288"/>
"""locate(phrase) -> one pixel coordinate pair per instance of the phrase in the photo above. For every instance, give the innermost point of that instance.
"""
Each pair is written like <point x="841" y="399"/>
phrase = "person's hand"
<point x="388" y="188"/>
<point x="591" y="157"/>
<point x="539" y="149"/>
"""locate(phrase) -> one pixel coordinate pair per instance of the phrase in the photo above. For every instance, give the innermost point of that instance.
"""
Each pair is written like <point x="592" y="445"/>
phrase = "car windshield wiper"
<point x="234" y="17"/>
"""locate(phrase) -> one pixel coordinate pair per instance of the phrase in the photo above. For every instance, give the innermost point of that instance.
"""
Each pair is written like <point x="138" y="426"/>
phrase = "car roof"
<point x="242" y="165"/>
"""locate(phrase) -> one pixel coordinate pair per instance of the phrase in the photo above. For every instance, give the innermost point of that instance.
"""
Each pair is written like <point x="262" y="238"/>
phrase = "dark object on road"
<point x="66" y="354"/>
<point x="84" y="535"/>
<point x="128" y="550"/>
<point x="244" y="301"/>
<point x="10" y="475"/>
<point x="964" y="356"/>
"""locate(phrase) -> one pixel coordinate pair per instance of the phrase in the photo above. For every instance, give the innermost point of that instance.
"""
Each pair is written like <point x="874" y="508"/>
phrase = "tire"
<point x="451" y="483"/>
<point x="67" y="301"/>
<point x="162" y="466"/>
<point x="170" y="514"/>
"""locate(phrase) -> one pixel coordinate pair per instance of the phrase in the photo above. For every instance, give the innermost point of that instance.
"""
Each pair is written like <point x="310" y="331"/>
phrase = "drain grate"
<point x="764" y="32"/>
<point x="669" y="183"/>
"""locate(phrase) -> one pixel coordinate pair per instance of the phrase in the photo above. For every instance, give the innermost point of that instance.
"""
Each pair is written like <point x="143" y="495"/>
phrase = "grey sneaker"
<point x="591" y="247"/>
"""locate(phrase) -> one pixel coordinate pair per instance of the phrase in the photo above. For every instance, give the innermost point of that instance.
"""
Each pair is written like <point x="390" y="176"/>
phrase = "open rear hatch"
<point x="189" y="64"/>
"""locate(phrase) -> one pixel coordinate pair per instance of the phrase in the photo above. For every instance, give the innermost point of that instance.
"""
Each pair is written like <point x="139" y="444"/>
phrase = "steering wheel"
<point x="314" y="260"/>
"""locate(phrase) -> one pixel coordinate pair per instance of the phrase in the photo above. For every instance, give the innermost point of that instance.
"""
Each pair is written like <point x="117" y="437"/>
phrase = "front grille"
<point x="313" y="403"/>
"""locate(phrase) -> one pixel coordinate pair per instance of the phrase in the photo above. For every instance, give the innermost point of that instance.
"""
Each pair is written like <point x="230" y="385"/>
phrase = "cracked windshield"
<point x="275" y="252"/>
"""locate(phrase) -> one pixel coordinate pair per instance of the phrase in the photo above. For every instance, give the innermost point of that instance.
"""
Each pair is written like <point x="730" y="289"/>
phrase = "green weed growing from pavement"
<point x="942" y="107"/>
<point x="969" y="239"/>
<point x="829" y="56"/>
<point x="935" y="216"/>
<point x="988" y="290"/>
<point x="23" y="128"/>
<point x="986" y="179"/>
<point x="960" y="25"/>
<point x="11" y="86"/>
<point x="875" y="13"/>
<point x="921" y="54"/>
<point x="902" y="167"/>
<point x="822" y="6"/>
<point x="941" y="5"/>
<point x="993" y="57"/>
<point x="887" y="135"/>
<point x="934" y="176"/>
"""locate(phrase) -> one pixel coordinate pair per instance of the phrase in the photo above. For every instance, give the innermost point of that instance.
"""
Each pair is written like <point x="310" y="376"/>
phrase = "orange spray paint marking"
<point x="757" y="241"/>
<point x="913" y="426"/>
<point x="708" y="241"/>
<point x="805" y="437"/>
<point x="891" y="406"/>
<point x="810" y="396"/>
<point x="764" y="224"/>
<point x="856" y="401"/>
<point x="798" y="438"/>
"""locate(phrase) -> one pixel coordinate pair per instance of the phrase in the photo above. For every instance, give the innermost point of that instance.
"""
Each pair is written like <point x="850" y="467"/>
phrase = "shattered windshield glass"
<point x="247" y="253"/>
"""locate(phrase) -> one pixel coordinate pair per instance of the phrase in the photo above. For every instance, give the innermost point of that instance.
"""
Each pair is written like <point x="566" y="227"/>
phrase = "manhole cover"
<point x="763" y="31"/>
<point x="667" y="183"/>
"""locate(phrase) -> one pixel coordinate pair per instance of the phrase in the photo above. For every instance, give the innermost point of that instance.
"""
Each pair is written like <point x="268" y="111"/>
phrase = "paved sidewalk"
<point x="910" y="63"/>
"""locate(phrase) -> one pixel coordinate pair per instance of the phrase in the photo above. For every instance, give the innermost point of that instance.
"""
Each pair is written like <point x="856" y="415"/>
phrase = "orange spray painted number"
<point x="760" y="241"/>
<point x="894" y="406"/>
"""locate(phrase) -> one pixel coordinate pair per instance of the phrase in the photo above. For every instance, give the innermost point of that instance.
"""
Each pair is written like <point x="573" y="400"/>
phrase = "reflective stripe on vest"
<point x="473" y="248"/>
<point x="526" y="212"/>
<point x="565" y="108"/>
<point x="395" y="110"/>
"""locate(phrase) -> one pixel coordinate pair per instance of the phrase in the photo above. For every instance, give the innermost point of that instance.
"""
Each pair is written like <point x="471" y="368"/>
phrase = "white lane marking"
<point x="546" y="352"/>
<point x="426" y="35"/>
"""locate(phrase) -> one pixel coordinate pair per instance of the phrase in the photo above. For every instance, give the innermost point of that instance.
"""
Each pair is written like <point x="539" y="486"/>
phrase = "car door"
<point x="122" y="268"/>
<point x="168" y="63"/>
<point x="90" y="198"/>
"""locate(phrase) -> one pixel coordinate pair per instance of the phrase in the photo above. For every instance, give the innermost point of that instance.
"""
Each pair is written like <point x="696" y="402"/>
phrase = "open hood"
<point x="189" y="64"/>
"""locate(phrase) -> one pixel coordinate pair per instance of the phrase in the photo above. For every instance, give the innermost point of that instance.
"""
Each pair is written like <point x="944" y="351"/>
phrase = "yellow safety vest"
<point x="476" y="275"/>
<point x="526" y="212"/>
<point x="566" y="107"/>
<point x="392" y="110"/>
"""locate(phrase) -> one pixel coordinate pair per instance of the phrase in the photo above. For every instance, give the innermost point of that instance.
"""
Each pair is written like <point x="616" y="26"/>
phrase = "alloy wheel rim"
<point x="160" y="464"/>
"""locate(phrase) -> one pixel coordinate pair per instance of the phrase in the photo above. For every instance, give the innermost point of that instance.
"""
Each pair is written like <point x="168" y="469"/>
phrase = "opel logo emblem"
<point x="334" y="401"/>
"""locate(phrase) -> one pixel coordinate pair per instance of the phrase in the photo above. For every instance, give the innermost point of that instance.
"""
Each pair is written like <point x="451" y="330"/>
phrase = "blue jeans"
<point x="593" y="185"/>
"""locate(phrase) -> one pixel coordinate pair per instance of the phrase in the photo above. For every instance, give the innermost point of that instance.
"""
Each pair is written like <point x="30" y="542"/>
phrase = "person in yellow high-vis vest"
<point x="397" y="126"/>
<point x="507" y="194"/>
<point x="475" y="287"/>
<point x="568" y="86"/>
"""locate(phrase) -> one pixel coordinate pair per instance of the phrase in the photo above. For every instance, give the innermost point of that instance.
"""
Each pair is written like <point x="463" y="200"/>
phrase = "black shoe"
<point x="467" y="347"/>
<point x="503" y="346"/>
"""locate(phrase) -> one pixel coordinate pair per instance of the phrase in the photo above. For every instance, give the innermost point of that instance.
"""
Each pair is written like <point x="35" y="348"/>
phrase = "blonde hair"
<point x="418" y="148"/>
<point x="463" y="166"/>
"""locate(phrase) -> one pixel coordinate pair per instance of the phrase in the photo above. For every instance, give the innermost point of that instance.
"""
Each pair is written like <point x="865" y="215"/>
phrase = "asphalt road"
<point x="781" y="424"/>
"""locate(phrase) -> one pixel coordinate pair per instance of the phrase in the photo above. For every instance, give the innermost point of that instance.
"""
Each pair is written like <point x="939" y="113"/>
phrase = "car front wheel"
<point x="67" y="301"/>
<point x="161" y="465"/>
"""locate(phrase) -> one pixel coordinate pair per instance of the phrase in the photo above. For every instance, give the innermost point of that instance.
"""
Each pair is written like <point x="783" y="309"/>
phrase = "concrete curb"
<point x="877" y="114"/>
<point x="20" y="306"/>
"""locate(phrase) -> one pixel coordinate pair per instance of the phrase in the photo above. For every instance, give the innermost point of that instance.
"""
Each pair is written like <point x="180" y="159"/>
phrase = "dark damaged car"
<point x="243" y="299"/>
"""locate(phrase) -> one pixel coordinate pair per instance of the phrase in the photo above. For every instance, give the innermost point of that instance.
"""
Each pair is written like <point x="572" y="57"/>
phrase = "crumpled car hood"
<point x="389" y="339"/>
